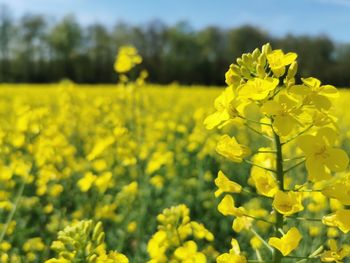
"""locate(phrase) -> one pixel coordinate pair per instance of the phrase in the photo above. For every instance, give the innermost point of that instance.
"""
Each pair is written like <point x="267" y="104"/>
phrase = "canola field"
<point x="145" y="173"/>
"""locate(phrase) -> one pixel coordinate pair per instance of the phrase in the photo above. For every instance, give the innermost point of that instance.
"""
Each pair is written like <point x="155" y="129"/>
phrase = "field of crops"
<point x="131" y="172"/>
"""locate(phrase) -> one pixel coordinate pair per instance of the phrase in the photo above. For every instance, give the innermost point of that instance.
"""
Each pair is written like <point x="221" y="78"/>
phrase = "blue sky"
<point x="279" y="17"/>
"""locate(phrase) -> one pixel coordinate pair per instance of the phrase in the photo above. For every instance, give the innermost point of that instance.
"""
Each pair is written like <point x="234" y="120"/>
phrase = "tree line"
<point x="33" y="49"/>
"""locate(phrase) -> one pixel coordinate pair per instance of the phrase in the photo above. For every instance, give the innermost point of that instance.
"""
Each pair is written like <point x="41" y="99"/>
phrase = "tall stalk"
<point x="277" y="256"/>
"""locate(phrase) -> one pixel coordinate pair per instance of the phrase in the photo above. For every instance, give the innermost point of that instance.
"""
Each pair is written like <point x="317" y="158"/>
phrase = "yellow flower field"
<point x="137" y="172"/>
<point x="120" y="156"/>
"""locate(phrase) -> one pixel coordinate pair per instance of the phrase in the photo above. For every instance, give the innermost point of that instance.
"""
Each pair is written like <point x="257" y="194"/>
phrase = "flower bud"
<point x="100" y="238"/>
<point x="256" y="54"/>
<point x="260" y="70"/>
<point x="97" y="230"/>
<point x="262" y="60"/>
<point x="266" y="49"/>
<point x="92" y="259"/>
<point x="66" y="255"/>
<point x="239" y="61"/>
<point x="292" y="71"/>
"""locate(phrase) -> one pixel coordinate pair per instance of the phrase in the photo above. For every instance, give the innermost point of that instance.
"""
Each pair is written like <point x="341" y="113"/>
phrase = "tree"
<point x="65" y="42"/>
<point x="30" y="59"/>
<point x="6" y="36"/>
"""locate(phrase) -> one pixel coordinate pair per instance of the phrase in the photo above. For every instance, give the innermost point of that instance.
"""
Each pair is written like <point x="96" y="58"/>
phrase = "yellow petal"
<point x="337" y="160"/>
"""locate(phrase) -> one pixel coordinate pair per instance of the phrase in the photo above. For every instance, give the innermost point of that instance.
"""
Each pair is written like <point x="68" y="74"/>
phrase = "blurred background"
<point x="184" y="41"/>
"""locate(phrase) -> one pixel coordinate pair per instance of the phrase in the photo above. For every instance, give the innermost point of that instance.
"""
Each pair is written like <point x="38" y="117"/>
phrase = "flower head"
<point x="287" y="203"/>
<point x="288" y="242"/>
<point x="229" y="148"/>
<point x="225" y="185"/>
<point x="340" y="219"/>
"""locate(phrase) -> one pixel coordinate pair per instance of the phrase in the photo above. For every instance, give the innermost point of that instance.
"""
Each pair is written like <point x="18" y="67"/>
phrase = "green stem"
<point x="262" y="167"/>
<point x="261" y="239"/>
<point x="293" y="166"/>
<point x="305" y="219"/>
<point x="259" y="219"/>
<point x="265" y="152"/>
<point x="257" y="132"/>
<point x="293" y="159"/>
<point x="254" y="121"/>
<point x="247" y="191"/>
<point x="296" y="136"/>
<point x="277" y="256"/>
<point x="13" y="210"/>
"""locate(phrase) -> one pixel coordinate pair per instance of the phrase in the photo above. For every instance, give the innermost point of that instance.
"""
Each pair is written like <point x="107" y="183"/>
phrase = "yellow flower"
<point x="157" y="247"/>
<point x="321" y="156"/>
<point x="317" y="203"/>
<point x="255" y="242"/>
<point x="315" y="94"/>
<point x="315" y="231"/>
<point x="339" y="189"/>
<point x="241" y="223"/>
<point x="58" y="260"/>
<point x="278" y="60"/>
<point x="232" y="76"/>
<point x="227" y="106"/>
<point x="234" y="255"/>
<point x="111" y="257"/>
<point x="104" y="181"/>
<point x="5" y="173"/>
<point x="100" y="147"/>
<point x="131" y="227"/>
<point x="5" y="246"/>
<point x="288" y="242"/>
<point x="340" y="219"/>
<point x="229" y="148"/>
<point x="226" y="185"/>
<point x="55" y="190"/>
<point x="264" y="181"/>
<point x="257" y="89"/>
<point x="334" y="254"/>
<point x="285" y="113"/>
<point x="188" y="253"/>
<point x="34" y="244"/>
<point x="287" y="203"/>
<point x="227" y="207"/>
<point x="86" y="182"/>
<point x="200" y="232"/>
<point x="222" y="105"/>
<point x="126" y="59"/>
<point x="157" y="181"/>
<point x="332" y="232"/>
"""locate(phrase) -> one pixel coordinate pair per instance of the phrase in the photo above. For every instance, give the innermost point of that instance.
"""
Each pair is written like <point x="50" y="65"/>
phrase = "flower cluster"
<point x="294" y="118"/>
<point x="84" y="242"/>
<point x="172" y="243"/>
